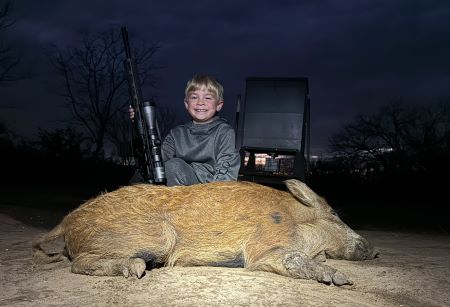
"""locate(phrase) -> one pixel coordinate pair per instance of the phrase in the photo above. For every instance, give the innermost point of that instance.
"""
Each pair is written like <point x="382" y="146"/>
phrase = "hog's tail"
<point x="39" y="255"/>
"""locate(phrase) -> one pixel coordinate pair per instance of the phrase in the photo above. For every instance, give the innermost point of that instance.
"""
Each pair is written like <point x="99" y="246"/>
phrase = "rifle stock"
<point x="147" y="142"/>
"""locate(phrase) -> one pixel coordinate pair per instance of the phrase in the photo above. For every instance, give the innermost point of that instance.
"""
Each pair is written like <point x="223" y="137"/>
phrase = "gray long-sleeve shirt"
<point x="208" y="148"/>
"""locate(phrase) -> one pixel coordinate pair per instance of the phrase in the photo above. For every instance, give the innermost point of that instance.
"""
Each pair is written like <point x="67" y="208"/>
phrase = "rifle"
<point x="147" y="140"/>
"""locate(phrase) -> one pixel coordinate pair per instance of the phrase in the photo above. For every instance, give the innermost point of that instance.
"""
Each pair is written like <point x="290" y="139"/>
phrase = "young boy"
<point x="202" y="150"/>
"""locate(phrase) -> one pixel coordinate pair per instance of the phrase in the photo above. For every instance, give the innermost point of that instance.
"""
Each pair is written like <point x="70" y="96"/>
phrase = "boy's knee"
<point x="173" y="164"/>
<point x="178" y="172"/>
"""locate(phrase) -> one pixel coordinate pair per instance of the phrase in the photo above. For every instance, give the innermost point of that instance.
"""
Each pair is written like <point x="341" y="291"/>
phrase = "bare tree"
<point x="396" y="138"/>
<point x="121" y="137"/>
<point x="9" y="58"/>
<point x="95" y="87"/>
<point x="61" y="144"/>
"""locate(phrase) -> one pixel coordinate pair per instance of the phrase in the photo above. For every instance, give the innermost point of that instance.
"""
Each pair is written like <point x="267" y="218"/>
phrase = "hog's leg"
<point x="269" y="261"/>
<point x="301" y="266"/>
<point x="93" y="265"/>
<point x="297" y="265"/>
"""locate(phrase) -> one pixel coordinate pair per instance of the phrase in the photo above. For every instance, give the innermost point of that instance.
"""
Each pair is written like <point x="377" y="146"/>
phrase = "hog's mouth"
<point x="362" y="250"/>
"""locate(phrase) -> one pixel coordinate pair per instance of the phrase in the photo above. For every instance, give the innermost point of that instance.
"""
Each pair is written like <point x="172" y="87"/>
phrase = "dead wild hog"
<point x="231" y="224"/>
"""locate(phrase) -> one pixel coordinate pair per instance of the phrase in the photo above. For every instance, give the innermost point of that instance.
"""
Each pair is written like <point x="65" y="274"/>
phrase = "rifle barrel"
<point x="126" y="43"/>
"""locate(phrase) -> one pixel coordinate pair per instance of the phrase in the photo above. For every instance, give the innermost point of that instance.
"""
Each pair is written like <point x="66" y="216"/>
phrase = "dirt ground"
<point x="412" y="270"/>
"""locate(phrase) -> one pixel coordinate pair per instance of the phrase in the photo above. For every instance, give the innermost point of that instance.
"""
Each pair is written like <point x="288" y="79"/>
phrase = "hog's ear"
<point x="301" y="191"/>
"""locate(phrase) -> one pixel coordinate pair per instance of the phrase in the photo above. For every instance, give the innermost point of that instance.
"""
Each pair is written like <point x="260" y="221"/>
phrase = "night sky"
<point x="357" y="54"/>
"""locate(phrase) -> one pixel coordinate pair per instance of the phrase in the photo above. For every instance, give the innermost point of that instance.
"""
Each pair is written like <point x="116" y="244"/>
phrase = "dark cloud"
<point x="357" y="54"/>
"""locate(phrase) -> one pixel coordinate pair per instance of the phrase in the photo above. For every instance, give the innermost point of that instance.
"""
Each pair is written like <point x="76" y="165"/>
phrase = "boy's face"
<point x="202" y="105"/>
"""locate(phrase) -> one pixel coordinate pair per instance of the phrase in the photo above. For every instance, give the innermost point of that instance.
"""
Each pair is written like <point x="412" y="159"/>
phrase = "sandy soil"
<point x="412" y="270"/>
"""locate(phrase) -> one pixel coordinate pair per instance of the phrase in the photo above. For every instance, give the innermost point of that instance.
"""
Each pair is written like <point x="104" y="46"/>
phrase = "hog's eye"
<point x="334" y="213"/>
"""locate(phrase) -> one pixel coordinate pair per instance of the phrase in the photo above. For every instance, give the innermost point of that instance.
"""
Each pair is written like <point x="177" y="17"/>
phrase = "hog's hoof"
<point x="340" y="279"/>
<point x="328" y="275"/>
<point x="301" y="266"/>
<point x="134" y="267"/>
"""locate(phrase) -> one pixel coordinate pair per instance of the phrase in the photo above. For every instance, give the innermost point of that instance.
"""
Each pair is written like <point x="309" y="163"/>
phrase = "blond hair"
<point x="209" y="82"/>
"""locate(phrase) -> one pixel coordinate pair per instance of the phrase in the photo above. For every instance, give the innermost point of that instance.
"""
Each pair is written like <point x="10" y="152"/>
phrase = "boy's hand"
<point x="131" y="113"/>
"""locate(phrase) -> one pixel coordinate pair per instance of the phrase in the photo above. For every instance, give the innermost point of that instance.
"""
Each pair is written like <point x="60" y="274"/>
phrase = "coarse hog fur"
<point x="230" y="224"/>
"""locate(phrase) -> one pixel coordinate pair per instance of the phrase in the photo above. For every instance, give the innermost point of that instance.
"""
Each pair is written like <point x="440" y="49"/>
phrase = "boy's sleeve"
<point x="228" y="159"/>
<point x="168" y="148"/>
